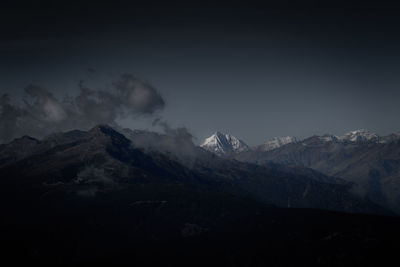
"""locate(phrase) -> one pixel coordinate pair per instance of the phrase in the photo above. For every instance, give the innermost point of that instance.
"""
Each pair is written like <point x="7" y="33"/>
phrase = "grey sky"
<point x="244" y="76"/>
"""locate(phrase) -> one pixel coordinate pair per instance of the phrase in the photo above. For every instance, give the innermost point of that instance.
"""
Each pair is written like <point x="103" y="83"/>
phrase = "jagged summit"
<point x="359" y="135"/>
<point x="223" y="144"/>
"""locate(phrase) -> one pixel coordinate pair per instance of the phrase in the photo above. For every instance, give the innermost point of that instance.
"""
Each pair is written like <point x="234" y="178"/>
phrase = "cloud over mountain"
<point x="42" y="113"/>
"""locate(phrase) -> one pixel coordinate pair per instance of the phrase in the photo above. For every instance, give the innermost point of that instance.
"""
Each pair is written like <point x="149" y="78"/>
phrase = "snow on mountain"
<point x="359" y="135"/>
<point x="353" y="136"/>
<point x="277" y="142"/>
<point x="223" y="144"/>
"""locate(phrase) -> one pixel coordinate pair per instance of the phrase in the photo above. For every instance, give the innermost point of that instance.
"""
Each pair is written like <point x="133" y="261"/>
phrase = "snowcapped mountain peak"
<point x="222" y="144"/>
<point x="359" y="135"/>
<point x="277" y="142"/>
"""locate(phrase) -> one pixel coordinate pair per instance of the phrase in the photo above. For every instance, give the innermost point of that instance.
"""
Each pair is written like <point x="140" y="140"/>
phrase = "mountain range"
<point x="111" y="195"/>
<point x="369" y="161"/>
<point x="222" y="144"/>
<point x="103" y="159"/>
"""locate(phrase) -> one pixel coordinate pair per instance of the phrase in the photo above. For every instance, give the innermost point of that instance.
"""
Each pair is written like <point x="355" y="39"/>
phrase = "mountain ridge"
<point x="355" y="136"/>
<point x="106" y="153"/>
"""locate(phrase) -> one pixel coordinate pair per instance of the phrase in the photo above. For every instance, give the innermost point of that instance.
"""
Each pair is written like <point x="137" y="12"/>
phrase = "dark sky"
<point x="252" y="69"/>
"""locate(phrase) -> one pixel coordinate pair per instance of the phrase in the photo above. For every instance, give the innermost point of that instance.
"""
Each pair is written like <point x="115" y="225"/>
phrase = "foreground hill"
<point x="153" y="225"/>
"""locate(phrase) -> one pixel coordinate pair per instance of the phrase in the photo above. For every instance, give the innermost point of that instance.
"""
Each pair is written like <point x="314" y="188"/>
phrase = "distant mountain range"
<point x="226" y="144"/>
<point x="369" y="161"/>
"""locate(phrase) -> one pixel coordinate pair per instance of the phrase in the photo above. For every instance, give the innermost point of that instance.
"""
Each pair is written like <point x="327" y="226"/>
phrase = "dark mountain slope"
<point x="153" y="225"/>
<point x="374" y="167"/>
